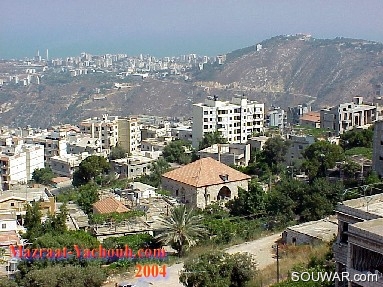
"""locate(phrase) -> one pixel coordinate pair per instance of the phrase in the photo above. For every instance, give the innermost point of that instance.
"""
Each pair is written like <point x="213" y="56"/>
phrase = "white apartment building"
<point x="105" y="129"/>
<point x="13" y="169"/>
<point x="346" y="116"/>
<point x="34" y="158"/>
<point x="18" y="162"/>
<point x="53" y="144"/>
<point x="236" y="120"/>
<point x="129" y="134"/>
<point x="276" y="117"/>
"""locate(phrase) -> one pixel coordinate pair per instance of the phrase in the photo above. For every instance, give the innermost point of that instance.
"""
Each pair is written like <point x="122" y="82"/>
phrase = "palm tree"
<point x="182" y="229"/>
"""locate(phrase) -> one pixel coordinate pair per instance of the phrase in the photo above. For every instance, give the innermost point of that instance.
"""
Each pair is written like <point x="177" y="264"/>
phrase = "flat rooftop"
<point x="374" y="226"/>
<point x="370" y="204"/>
<point x="324" y="229"/>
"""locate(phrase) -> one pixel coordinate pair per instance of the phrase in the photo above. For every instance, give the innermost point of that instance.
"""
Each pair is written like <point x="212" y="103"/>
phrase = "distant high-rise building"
<point x="47" y="56"/>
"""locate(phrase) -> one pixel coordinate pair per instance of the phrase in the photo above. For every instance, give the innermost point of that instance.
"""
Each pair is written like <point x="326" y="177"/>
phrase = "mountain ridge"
<point x="287" y="71"/>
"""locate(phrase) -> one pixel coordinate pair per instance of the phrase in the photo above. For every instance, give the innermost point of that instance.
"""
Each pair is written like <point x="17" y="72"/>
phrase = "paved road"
<point x="260" y="248"/>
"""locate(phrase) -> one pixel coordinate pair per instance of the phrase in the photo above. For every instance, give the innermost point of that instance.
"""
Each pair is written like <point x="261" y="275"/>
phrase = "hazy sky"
<point x="170" y="27"/>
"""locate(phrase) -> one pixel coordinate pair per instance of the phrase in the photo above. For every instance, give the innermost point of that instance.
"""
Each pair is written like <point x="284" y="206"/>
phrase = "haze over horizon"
<point x="170" y="27"/>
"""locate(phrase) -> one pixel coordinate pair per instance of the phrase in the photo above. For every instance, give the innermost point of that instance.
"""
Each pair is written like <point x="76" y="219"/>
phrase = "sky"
<point x="175" y="27"/>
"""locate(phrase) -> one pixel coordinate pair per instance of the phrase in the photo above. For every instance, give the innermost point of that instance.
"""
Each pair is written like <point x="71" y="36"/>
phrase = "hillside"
<point x="288" y="70"/>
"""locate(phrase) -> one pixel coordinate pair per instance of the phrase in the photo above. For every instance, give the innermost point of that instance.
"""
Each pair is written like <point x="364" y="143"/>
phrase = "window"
<point x="12" y="204"/>
<point x="3" y="226"/>
<point x="343" y="234"/>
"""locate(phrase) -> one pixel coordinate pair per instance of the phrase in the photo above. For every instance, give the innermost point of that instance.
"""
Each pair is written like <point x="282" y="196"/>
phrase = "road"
<point x="260" y="248"/>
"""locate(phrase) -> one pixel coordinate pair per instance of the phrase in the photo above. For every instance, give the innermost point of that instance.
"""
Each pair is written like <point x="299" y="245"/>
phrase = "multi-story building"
<point x="346" y="116"/>
<point x="310" y="119"/>
<point x="358" y="249"/>
<point x="54" y="144"/>
<point x="297" y="145"/>
<point x="78" y="145"/>
<point x="230" y="154"/>
<point x="34" y="158"/>
<point x="132" y="167"/>
<point x="13" y="169"/>
<point x="105" y="129"/>
<point x="67" y="164"/>
<point x="236" y="120"/>
<point x="129" y="134"/>
<point x="18" y="163"/>
<point x="276" y="117"/>
<point x="294" y="113"/>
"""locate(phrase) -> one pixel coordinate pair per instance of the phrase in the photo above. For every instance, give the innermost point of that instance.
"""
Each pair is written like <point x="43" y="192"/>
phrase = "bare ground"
<point x="260" y="248"/>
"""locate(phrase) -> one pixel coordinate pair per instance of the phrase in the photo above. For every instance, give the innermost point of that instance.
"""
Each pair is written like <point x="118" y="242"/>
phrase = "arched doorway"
<point x="224" y="193"/>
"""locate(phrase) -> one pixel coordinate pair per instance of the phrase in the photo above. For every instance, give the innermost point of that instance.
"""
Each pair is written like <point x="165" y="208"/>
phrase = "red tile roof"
<point x="109" y="205"/>
<point x="205" y="172"/>
<point x="9" y="237"/>
<point x="311" y="117"/>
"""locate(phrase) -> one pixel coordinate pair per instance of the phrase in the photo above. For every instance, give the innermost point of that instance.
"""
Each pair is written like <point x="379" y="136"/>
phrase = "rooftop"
<point x="374" y="226"/>
<point x="109" y="205"/>
<point x="324" y="229"/>
<point x="205" y="172"/>
<point x="311" y="117"/>
<point x="370" y="204"/>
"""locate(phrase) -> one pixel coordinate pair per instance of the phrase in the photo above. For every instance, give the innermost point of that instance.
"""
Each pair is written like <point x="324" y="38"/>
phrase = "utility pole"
<point x="277" y="263"/>
<point x="276" y="247"/>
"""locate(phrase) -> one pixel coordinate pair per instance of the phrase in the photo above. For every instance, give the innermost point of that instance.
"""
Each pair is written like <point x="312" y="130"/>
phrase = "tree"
<point x="211" y="138"/>
<point x="87" y="196"/>
<point x="181" y="229"/>
<point x="67" y="239"/>
<point x="357" y="138"/>
<point x="319" y="157"/>
<point x="89" y="169"/>
<point x="175" y="152"/>
<point x="56" y="222"/>
<point x="218" y="269"/>
<point x="64" y="276"/>
<point x="32" y="219"/>
<point x="157" y="169"/>
<point x="248" y="202"/>
<point x="351" y="169"/>
<point x="5" y="282"/>
<point x="43" y="175"/>
<point x="274" y="151"/>
<point x="134" y="241"/>
<point x="117" y="152"/>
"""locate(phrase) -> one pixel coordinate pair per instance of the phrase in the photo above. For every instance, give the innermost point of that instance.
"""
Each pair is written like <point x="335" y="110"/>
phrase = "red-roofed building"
<point x="109" y="205"/>
<point x="203" y="182"/>
<point x="310" y="119"/>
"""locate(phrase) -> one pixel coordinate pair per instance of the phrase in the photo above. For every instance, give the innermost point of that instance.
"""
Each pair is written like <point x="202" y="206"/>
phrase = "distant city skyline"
<point x="172" y="28"/>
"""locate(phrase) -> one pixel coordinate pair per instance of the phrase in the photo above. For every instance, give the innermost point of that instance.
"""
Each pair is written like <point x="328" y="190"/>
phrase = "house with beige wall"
<point x="204" y="182"/>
